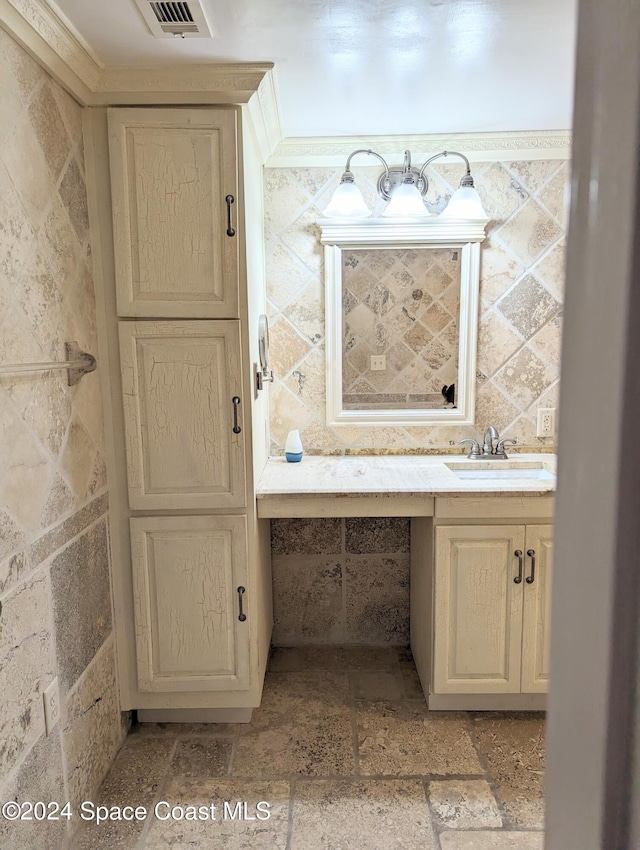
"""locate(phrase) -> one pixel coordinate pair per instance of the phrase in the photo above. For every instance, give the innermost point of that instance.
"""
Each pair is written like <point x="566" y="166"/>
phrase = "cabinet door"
<point x="179" y="380"/>
<point x="171" y="172"/>
<point x="537" y="609"/>
<point x="186" y="575"/>
<point x="478" y="609"/>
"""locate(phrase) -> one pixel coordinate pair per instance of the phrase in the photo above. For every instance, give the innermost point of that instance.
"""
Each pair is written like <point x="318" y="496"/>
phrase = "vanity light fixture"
<point x="405" y="189"/>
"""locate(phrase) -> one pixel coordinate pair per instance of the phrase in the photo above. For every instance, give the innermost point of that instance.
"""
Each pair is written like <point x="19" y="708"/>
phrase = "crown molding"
<point x="221" y="83"/>
<point x="265" y="115"/>
<point x="478" y="147"/>
<point x="46" y="34"/>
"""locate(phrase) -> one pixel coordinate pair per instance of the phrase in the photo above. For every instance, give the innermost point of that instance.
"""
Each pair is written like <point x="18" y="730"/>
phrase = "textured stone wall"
<point x="56" y="614"/>
<point x="340" y="581"/>
<point x="521" y="292"/>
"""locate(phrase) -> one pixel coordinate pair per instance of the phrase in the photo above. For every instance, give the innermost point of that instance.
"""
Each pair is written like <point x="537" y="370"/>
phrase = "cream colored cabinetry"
<point x="182" y="400"/>
<point x="491" y="609"/>
<point x="191" y="628"/>
<point x="174" y="181"/>
<point x="175" y="216"/>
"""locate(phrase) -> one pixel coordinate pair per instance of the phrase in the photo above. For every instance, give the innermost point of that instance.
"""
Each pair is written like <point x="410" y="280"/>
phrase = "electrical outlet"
<point x="378" y="363"/>
<point x="51" y="706"/>
<point x="546" y="422"/>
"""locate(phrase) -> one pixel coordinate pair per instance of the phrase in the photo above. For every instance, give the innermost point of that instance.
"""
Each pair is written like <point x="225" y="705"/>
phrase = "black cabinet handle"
<point x="236" y="402"/>
<point x="230" y="200"/>
<point x="241" y="616"/>
<point x="519" y="556"/>
<point x="531" y="578"/>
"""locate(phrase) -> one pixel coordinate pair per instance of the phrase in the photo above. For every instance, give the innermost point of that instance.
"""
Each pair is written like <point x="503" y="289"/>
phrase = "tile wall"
<point x="340" y="581"/>
<point x="55" y="596"/>
<point x="521" y="292"/>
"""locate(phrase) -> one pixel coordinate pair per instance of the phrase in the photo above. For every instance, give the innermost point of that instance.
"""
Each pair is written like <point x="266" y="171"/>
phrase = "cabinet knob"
<point x="520" y="557"/>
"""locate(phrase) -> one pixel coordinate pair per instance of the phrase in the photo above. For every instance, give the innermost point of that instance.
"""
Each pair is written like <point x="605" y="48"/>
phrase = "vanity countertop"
<point x="359" y="476"/>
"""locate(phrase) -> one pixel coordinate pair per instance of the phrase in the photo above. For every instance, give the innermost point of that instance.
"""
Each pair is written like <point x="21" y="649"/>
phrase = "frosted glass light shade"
<point x="346" y="201"/>
<point x="464" y="203"/>
<point x="406" y="200"/>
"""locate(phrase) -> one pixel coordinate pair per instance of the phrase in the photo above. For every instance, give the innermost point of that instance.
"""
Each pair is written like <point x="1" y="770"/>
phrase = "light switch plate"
<point x="378" y="362"/>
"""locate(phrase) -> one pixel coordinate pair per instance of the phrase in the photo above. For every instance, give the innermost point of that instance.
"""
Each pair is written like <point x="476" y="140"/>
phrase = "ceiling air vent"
<point x="175" y="18"/>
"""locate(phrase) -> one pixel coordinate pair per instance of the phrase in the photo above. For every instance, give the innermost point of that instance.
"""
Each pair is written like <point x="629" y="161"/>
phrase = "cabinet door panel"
<point x="186" y="574"/>
<point x="171" y="170"/>
<point x="537" y="611"/>
<point x="178" y="382"/>
<point x="478" y="609"/>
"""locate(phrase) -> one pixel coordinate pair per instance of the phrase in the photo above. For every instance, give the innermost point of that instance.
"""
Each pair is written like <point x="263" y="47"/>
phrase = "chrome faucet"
<point x="489" y="436"/>
<point x="487" y="449"/>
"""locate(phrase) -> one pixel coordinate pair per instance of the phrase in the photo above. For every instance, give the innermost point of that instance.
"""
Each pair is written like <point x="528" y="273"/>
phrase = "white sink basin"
<point x="495" y="470"/>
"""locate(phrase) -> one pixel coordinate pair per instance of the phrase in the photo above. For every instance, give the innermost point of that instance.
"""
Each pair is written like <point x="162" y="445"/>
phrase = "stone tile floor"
<point x="346" y="754"/>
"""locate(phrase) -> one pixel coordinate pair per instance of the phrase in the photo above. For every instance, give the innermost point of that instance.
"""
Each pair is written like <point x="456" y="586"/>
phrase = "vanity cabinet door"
<point x="183" y="414"/>
<point x="174" y="186"/>
<point x="478" y="609"/>
<point x="537" y="610"/>
<point x="186" y="575"/>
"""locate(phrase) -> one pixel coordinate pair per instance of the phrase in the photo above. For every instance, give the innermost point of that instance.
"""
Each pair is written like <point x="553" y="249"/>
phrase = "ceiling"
<point x="370" y="67"/>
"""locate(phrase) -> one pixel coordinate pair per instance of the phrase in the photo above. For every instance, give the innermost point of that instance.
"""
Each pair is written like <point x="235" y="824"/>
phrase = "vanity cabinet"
<point x="491" y="608"/>
<point x="174" y="189"/>
<point x="177" y="225"/>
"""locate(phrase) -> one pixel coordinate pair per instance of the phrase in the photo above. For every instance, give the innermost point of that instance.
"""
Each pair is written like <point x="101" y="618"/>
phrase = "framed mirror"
<point x="401" y="320"/>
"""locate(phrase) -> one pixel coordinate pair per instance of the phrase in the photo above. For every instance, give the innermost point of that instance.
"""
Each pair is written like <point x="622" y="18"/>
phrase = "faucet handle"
<point x="475" y="448"/>
<point x="500" y="452"/>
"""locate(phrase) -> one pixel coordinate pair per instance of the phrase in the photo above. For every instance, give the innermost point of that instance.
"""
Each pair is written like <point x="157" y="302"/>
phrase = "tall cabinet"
<point x="176" y="218"/>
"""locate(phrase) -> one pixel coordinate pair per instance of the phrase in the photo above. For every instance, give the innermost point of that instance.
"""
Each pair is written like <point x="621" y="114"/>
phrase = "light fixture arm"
<point x="347" y="177"/>
<point x="467" y="180"/>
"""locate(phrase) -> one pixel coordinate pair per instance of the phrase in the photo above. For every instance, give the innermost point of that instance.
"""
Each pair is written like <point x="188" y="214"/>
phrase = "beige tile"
<point x="377" y="535"/>
<point x="528" y="306"/>
<point x="551" y="270"/>
<point x="49" y="129"/>
<point x="134" y="779"/>
<point x="530" y="232"/>
<point x="533" y="174"/>
<point x="306" y="311"/>
<point x="497" y="342"/>
<point x="514" y="750"/>
<point x="16" y="237"/>
<point x="464" y="804"/>
<point x="19" y="66"/>
<point x="307" y="381"/>
<point x="377" y="599"/>
<point x="332" y="658"/>
<point x="547" y="342"/>
<point x="498" y="271"/>
<point x="373" y="687"/>
<point x="525" y="377"/>
<point x="555" y="196"/>
<point x="91" y="729"/>
<point x="307" y="600"/>
<point x="303" y="238"/>
<point x="59" y="502"/>
<point x="228" y="830"/>
<point x="360" y="815"/>
<point x="73" y="193"/>
<point x="284" y="197"/>
<point x="25" y="162"/>
<point x="494" y="407"/>
<point x="303" y="726"/>
<point x="26" y="669"/>
<point x="285" y="273"/>
<point x="500" y="193"/>
<point x="25" y="482"/>
<point x="38" y="778"/>
<point x="287" y="347"/>
<point x="450" y="840"/>
<point x="316" y="536"/>
<point x="202" y="757"/>
<point x="397" y="739"/>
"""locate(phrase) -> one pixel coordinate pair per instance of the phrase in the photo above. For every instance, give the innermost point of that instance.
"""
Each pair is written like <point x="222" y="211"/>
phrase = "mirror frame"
<point x="465" y="236"/>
